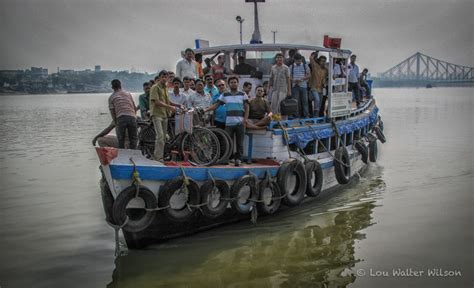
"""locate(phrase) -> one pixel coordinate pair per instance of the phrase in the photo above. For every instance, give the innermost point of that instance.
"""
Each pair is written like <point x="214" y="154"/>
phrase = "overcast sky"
<point x="147" y="35"/>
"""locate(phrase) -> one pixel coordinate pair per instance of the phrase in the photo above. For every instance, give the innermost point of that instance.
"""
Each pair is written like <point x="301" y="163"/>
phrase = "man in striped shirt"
<point x="123" y="111"/>
<point x="236" y="103"/>
<point x="299" y="74"/>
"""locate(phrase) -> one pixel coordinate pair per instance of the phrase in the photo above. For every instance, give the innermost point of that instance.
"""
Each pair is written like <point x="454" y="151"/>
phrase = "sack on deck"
<point x="183" y="123"/>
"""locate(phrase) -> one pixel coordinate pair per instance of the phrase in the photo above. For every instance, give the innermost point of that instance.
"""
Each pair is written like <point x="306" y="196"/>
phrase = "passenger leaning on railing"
<point x="160" y="108"/>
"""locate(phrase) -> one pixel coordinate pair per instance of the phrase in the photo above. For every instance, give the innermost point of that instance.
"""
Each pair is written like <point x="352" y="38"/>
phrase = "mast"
<point x="256" y="38"/>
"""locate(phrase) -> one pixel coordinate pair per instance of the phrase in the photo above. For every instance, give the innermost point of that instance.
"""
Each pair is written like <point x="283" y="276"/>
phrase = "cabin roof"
<point x="264" y="47"/>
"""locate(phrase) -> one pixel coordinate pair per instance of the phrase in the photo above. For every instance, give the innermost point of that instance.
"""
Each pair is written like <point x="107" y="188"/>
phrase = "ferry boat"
<point x="289" y="162"/>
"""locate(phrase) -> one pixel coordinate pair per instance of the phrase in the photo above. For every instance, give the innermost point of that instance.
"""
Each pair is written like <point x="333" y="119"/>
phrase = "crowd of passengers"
<point x="215" y="90"/>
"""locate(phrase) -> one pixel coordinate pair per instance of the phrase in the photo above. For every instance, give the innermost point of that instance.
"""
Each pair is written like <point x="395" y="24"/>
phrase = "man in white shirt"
<point x="176" y="95"/>
<point x="187" y="66"/>
<point x="353" y="78"/>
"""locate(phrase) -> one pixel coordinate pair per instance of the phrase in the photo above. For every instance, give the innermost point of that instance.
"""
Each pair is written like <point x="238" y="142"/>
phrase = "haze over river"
<point x="411" y="211"/>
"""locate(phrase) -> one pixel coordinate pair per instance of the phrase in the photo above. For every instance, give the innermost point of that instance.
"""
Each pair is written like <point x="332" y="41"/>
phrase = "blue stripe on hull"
<point x="163" y="173"/>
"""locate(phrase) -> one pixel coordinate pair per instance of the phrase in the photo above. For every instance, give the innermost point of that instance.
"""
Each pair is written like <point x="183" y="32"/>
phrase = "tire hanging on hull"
<point x="362" y="149"/>
<point x="373" y="151"/>
<point x="342" y="165"/>
<point x="379" y="134"/>
<point x="269" y="196"/>
<point x="139" y="218"/>
<point x="243" y="191"/>
<point x="214" y="194"/>
<point x="107" y="201"/>
<point x="314" y="178"/>
<point x="177" y="195"/>
<point x="292" y="171"/>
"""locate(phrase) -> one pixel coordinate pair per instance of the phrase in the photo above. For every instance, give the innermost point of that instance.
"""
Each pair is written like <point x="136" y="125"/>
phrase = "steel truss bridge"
<point x="422" y="70"/>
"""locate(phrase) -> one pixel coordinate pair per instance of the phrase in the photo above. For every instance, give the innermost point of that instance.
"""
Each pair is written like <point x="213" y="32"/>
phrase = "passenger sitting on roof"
<point x="219" y="71"/>
<point x="243" y="68"/>
<point x="260" y="113"/>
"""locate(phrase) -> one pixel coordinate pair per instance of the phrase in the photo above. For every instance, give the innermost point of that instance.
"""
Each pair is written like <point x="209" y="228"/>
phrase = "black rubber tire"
<point x="362" y="149"/>
<point x="287" y="169"/>
<point x="313" y="171"/>
<point x="206" y="193"/>
<point x="373" y="151"/>
<point x="226" y="145"/>
<point x="272" y="207"/>
<point x="107" y="201"/>
<point x="120" y="209"/>
<point x="380" y="134"/>
<point x="343" y="172"/>
<point x="244" y="205"/>
<point x="168" y="190"/>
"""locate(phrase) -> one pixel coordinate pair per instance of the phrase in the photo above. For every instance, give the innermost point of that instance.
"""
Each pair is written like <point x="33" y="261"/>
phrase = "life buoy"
<point x="362" y="149"/>
<point x="214" y="194"/>
<point x="342" y="165"/>
<point x="177" y="195"/>
<point x="380" y="134"/>
<point x="244" y="190"/>
<point x="269" y="197"/>
<point x="314" y="178"/>
<point x="292" y="182"/>
<point x="373" y="151"/>
<point x="107" y="201"/>
<point x="139" y="218"/>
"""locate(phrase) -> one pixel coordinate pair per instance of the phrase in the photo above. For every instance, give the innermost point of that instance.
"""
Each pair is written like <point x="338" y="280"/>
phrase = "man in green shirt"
<point x="160" y="110"/>
<point x="144" y="100"/>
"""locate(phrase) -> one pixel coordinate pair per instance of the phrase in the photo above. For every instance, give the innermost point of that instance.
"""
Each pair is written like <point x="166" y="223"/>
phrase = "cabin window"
<point x="310" y="148"/>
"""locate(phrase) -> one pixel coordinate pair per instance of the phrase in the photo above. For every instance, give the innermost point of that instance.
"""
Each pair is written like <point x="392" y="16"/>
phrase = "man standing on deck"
<point x="237" y="106"/>
<point x="353" y="78"/>
<point x="279" y="83"/>
<point x="363" y="82"/>
<point x="123" y="112"/>
<point x="144" y="101"/>
<point x="221" y="111"/>
<point x="187" y="66"/>
<point x="161" y="108"/>
<point x="317" y="81"/>
<point x="299" y="72"/>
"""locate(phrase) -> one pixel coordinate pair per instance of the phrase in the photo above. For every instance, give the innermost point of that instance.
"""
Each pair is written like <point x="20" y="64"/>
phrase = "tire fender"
<point x="292" y="168"/>
<point x="244" y="190"/>
<point x="342" y="165"/>
<point x="362" y="149"/>
<point x="172" y="195"/>
<point x="214" y="194"/>
<point x="314" y="178"/>
<point x="139" y="221"/>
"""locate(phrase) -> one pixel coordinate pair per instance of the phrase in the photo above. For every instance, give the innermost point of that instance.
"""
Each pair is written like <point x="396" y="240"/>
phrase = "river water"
<point x="409" y="212"/>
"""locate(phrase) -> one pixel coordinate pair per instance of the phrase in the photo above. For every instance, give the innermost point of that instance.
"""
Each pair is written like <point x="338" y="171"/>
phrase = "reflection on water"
<point x="308" y="246"/>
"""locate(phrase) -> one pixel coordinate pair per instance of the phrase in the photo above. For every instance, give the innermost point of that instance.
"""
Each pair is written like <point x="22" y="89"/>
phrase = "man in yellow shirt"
<point x="160" y="109"/>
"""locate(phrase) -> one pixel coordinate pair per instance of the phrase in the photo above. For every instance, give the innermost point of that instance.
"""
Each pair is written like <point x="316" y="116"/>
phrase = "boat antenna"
<point x="256" y="38"/>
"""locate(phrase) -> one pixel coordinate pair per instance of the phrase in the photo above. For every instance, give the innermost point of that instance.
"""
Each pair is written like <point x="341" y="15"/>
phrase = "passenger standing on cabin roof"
<point x="198" y="59"/>
<point x="354" y="79"/>
<point x="187" y="66"/>
<point x="219" y="71"/>
<point x="247" y="88"/>
<point x="221" y="111"/>
<point x="161" y="108"/>
<point x="279" y="83"/>
<point x="176" y="95"/>
<point x="123" y="111"/>
<point x="317" y="82"/>
<point x="299" y="74"/>
<point x="236" y="103"/>
<point x="363" y="82"/>
<point x="260" y="113"/>
<point x="144" y="101"/>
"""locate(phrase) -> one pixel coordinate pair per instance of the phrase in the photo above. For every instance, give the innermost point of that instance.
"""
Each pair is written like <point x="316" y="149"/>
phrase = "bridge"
<point x="421" y="70"/>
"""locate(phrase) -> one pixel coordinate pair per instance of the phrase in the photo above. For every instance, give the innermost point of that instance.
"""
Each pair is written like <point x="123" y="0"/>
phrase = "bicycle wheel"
<point x="225" y="144"/>
<point x="146" y="140"/>
<point x="202" y="145"/>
